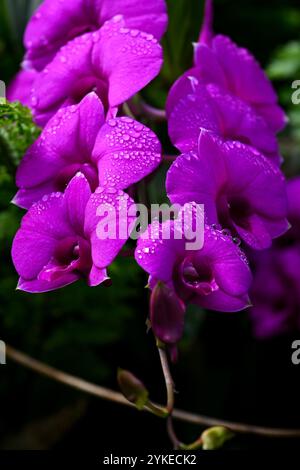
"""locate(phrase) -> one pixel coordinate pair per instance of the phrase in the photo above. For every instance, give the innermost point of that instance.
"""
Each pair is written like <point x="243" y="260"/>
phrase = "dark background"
<point x="222" y="370"/>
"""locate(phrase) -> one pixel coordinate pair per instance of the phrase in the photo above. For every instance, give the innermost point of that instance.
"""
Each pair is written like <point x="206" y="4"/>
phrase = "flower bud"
<point x="166" y="314"/>
<point x="215" y="437"/>
<point x="132" y="388"/>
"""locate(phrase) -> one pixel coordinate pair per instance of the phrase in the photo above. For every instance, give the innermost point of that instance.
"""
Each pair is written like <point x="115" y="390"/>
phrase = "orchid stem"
<point x="152" y="112"/>
<point x="127" y="111"/>
<point x="104" y="393"/>
<point x="157" y="410"/>
<point x="207" y="26"/>
<point x="167" y="376"/>
<point x="170" y="393"/>
<point x="140" y="108"/>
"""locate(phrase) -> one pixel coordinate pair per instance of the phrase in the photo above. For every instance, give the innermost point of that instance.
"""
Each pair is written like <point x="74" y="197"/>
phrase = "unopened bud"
<point x="132" y="388"/>
<point x="166" y="314"/>
<point x="215" y="437"/>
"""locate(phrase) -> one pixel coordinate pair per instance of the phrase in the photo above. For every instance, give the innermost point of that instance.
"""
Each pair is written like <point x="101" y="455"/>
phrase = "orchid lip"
<point x="71" y="254"/>
<point x="195" y="279"/>
<point x="67" y="173"/>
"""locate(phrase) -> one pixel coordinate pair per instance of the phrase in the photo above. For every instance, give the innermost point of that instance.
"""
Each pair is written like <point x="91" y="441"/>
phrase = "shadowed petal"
<point x="109" y="215"/>
<point x="77" y="195"/>
<point x="222" y="302"/>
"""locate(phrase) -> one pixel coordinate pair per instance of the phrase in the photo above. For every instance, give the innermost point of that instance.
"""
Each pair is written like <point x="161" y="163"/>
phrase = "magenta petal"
<point x="222" y="302"/>
<point x="217" y="276"/>
<point x="31" y="251"/>
<point x="256" y="235"/>
<point x="245" y="76"/>
<point x="235" y="69"/>
<point x="150" y="252"/>
<point x="40" y="163"/>
<point x="121" y="54"/>
<point x="48" y="217"/>
<point x="65" y="80"/>
<point x="63" y="148"/>
<point x="125" y="151"/>
<point x="248" y="81"/>
<point x="231" y="177"/>
<point x="239" y="121"/>
<point x="97" y="276"/>
<point x="208" y="65"/>
<point x="293" y="191"/>
<point x="91" y="118"/>
<point x="150" y="16"/>
<point x="56" y="22"/>
<point x="230" y="267"/>
<point x="77" y="195"/>
<point x="20" y="87"/>
<point x="36" y="286"/>
<point x="193" y="110"/>
<point x="113" y="212"/>
<point x="107" y="61"/>
<point x="274" y="115"/>
<point x="193" y="179"/>
<point x="52" y="25"/>
<point x="199" y="106"/>
<point x="26" y="197"/>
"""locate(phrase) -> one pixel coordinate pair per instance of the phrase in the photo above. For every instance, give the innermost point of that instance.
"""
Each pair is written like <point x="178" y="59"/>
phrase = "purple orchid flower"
<point x="275" y="292"/>
<point x="108" y="61"/>
<point x="226" y="91"/>
<point x="57" y="243"/>
<point x="195" y="105"/>
<point x="230" y="179"/>
<point x="116" y="153"/>
<point x="56" y="22"/>
<point x="216" y="277"/>
<point x="276" y="303"/>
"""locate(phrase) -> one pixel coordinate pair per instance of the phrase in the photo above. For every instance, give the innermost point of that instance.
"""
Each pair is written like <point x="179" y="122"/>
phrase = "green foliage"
<point x="286" y="62"/>
<point x="284" y="69"/>
<point x="17" y="132"/>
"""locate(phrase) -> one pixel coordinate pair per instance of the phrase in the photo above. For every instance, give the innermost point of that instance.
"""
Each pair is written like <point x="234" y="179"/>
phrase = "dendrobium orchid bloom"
<point x="57" y="243"/>
<point x="234" y="69"/>
<point x="240" y="189"/>
<point x="276" y="285"/>
<point x="226" y="92"/>
<point x="108" y="62"/>
<point x="216" y="276"/>
<point x="56" y="22"/>
<point x="115" y="153"/>
<point x="195" y="106"/>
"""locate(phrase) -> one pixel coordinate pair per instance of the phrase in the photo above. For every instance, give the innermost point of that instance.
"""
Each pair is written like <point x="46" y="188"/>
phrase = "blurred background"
<point x="224" y="370"/>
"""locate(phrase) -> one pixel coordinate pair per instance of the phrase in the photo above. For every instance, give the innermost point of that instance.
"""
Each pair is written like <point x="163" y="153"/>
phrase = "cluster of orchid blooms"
<point x="83" y="61"/>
